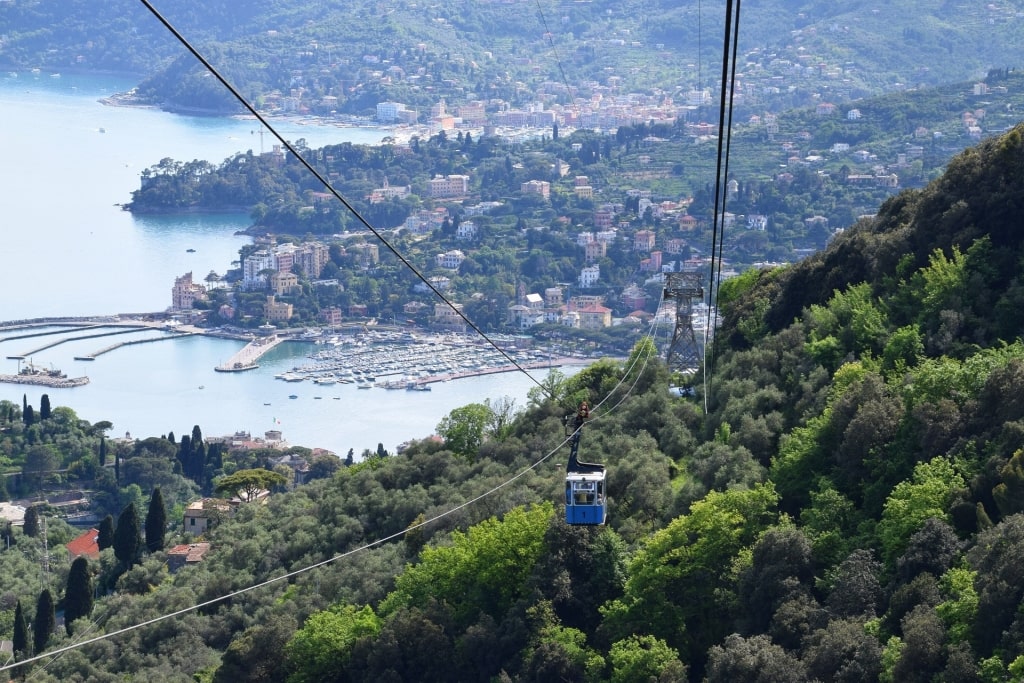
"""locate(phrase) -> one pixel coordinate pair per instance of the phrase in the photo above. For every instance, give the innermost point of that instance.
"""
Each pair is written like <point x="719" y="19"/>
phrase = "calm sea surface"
<point x="68" y="249"/>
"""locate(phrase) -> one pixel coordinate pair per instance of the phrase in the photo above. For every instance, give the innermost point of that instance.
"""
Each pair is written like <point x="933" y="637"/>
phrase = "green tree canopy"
<point x="247" y="484"/>
<point x="484" y="570"/>
<point x="464" y="429"/>
<point x="321" y="648"/>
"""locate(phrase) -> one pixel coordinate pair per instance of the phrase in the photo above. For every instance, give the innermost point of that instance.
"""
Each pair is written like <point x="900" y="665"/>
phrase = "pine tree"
<point x="106" y="535"/>
<point x="78" y="593"/>
<point x="31" y="527"/>
<point x="126" y="537"/>
<point x="45" y="621"/>
<point x="20" y="632"/>
<point x="156" y="522"/>
<point x="44" y="407"/>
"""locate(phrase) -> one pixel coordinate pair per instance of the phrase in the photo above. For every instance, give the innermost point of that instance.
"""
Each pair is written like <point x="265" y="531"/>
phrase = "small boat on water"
<point x="190" y="250"/>
<point x="292" y="396"/>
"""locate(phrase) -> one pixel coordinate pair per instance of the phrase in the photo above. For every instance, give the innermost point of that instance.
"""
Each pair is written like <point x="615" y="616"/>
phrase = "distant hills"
<point x="364" y="52"/>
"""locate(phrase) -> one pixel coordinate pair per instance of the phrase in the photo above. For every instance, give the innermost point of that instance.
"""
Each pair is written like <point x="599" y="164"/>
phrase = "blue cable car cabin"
<point x="585" y="501"/>
<point x="584" y="498"/>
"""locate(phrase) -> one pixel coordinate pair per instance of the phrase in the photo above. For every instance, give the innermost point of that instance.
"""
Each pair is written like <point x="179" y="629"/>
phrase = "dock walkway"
<point x="248" y="355"/>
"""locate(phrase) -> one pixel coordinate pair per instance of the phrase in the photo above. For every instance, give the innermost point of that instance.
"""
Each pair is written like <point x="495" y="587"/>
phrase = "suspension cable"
<point x="729" y="50"/>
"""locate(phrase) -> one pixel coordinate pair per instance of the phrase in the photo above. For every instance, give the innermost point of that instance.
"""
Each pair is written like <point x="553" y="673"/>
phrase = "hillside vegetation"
<point x="365" y="52"/>
<point x="848" y="508"/>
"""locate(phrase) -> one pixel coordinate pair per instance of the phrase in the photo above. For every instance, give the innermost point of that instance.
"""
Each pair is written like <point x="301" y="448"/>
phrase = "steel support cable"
<point x="724" y="124"/>
<point x="558" y="60"/>
<point x="327" y="185"/>
<point x="713" y="310"/>
<point x="340" y="556"/>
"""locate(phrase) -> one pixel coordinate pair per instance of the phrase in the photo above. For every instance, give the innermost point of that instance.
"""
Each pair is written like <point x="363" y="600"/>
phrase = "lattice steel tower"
<point x="683" y="353"/>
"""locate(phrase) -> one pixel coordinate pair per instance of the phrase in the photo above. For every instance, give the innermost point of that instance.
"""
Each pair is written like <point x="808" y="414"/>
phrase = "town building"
<point x="447" y="318"/>
<point x="448" y="186"/>
<point x="589" y="276"/>
<point x="277" y="311"/>
<point x="366" y="253"/>
<point x="284" y="283"/>
<point x="466" y="230"/>
<point x="595" y="317"/>
<point x="186" y="554"/>
<point x="185" y="293"/>
<point x="450" y="260"/>
<point x="389" y="112"/>
<point x="643" y="240"/>
<point x="541" y="187"/>
<point x="205" y="513"/>
<point x="331" y="316"/>
<point x="255" y="268"/>
<point x="387" y="191"/>
<point x="85" y="545"/>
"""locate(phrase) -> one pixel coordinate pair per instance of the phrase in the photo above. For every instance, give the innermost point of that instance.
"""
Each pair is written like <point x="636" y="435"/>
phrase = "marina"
<point x="393" y="359"/>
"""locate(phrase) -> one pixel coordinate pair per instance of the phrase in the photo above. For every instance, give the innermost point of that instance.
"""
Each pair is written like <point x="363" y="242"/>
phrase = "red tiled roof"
<point x="85" y="545"/>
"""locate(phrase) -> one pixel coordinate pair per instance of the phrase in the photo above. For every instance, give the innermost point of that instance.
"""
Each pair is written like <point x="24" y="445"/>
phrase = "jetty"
<point x="132" y="342"/>
<point x="248" y="355"/>
<point x="54" y="379"/>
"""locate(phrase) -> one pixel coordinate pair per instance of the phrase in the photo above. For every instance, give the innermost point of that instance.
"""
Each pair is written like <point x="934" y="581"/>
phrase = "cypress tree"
<point x="126" y="537"/>
<point x="29" y="418"/>
<point x="78" y="594"/>
<point x="156" y="522"/>
<point x="103" y="451"/>
<point x="106" y="535"/>
<point x="31" y="527"/>
<point x="7" y="538"/>
<point x="20" y="631"/>
<point x="44" y="407"/>
<point x="45" y="621"/>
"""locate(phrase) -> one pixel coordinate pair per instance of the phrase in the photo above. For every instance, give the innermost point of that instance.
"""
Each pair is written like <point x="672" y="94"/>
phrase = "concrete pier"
<point x="248" y="355"/>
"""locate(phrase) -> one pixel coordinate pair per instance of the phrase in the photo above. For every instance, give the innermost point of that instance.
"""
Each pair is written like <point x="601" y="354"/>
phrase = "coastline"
<point x="398" y="133"/>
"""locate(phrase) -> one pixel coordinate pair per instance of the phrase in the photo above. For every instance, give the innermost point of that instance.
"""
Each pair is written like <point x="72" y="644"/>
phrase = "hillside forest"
<point x="840" y="500"/>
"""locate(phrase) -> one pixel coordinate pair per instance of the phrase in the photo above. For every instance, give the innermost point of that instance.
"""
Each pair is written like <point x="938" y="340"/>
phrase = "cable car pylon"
<point x="684" y="354"/>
